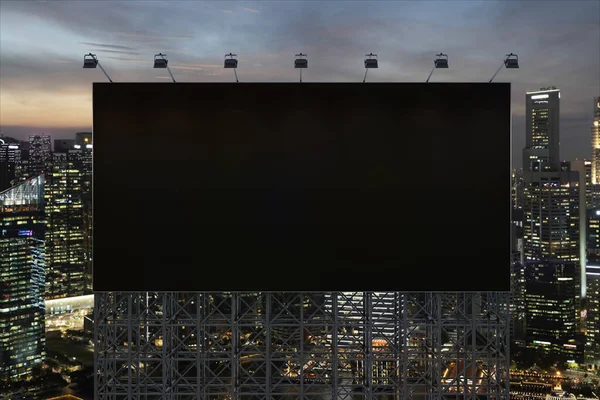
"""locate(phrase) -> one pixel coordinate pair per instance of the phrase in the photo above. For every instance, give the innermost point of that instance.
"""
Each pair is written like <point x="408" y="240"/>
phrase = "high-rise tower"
<point x="596" y="142"/>
<point x="10" y="160"/>
<point x="542" y="137"/>
<point x="83" y="148"/>
<point x="40" y="154"/>
<point x="22" y="310"/>
<point x="555" y="282"/>
<point x="65" y="248"/>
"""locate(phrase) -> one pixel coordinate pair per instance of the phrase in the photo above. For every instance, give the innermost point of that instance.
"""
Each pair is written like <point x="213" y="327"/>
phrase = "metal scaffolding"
<point x="243" y="346"/>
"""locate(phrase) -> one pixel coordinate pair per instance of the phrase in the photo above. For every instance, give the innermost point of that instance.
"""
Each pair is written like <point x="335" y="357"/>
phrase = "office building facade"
<point x="22" y="279"/>
<point x="40" y="154"/>
<point x="65" y="248"/>
<point x="554" y="278"/>
<point x="10" y="162"/>
<point x="596" y="142"/>
<point x="83" y="148"/>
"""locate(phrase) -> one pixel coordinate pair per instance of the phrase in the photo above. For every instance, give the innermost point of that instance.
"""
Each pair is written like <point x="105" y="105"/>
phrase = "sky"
<point x="44" y="89"/>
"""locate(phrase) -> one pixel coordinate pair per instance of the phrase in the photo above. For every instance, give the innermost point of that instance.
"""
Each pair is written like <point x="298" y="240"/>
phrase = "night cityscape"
<point x="60" y="339"/>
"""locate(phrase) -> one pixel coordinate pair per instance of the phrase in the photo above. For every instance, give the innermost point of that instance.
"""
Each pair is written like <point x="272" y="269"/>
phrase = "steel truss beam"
<point x="279" y="346"/>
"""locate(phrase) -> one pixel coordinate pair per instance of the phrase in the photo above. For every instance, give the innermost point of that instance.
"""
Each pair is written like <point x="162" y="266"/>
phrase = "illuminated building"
<point x="592" y="312"/>
<point x="589" y="187"/>
<point x="65" y="249"/>
<point x="552" y="254"/>
<point x="40" y="154"/>
<point x="583" y="169"/>
<point x="596" y="142"/>
<point x="592" y="309"/>
<point x="542" y="110"/>
<point x="593" y="233"/>
<point x="22" y="312"/>
<point x="517" y="302"/>
<point x="516" y="189"/>
<point x="84" y="146"/>
<point x="351" y="310"/>
<point x="10" y="161"/>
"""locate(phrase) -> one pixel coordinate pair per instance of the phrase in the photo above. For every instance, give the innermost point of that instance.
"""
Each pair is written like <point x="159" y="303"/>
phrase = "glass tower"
<point x="22" y="279"/>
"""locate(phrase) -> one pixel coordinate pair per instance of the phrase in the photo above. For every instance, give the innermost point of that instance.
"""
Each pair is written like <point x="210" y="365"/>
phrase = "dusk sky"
<point x="44" y="89"/>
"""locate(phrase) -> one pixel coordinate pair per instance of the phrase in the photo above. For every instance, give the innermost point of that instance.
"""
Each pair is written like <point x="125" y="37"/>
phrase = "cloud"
<point x="108" y="46"/>
<point x="136" y="35"/>
<point x="191" y="67"/>
<point x="131" y="60"/>
<point x="194" y="67"/>
<point x="142" y="41"/>
<point x="117" y="52"/>
<point x="227" y="11"/>
<point x="170" y="51"/>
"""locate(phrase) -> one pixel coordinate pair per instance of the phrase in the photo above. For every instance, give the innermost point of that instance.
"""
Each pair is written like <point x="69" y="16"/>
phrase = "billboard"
<point x="301" y="187"/>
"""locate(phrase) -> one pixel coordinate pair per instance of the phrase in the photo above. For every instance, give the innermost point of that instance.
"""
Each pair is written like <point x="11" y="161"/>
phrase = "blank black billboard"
<point x="301" y="186"/>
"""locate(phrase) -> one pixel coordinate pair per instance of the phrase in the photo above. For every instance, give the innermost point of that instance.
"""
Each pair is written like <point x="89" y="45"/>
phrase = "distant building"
<point x="40" y="154"/>
<point x="554" y="276"/>
<point x="542" y="113"/>
<point x="65" y="248"/>
<point x="516" y="190"/>
<point x="591" y="313"/>
<point x="22" y="277"/>
<point x="10" y="162"/>
<point x="596" y="142"/>
<point x="84" y="147"/>
<point x="551" y="257"/>
<point x="517" y="301"/>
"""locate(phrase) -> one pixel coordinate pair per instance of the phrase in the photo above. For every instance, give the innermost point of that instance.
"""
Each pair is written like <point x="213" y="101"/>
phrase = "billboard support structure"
<point x="335" y="345"/>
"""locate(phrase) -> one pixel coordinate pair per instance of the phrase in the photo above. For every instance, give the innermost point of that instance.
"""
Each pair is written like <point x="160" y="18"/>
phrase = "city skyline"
<point x="45" y="90"/>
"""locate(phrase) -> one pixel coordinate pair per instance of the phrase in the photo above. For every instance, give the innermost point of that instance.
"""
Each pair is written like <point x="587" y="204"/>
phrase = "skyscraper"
<point x="22" y="311"/>
<point x="554" y="280"/>
<point x="591" y="313"/>
<point x="583" y="169"/>
<point x="83" y="148"/>
<point x="596" y="142"/>
<point x="542" y="136"/>
<point x="516" y="189"/>
<point x="595" y="164"/>
<point x="65" y="249"/>
<point x="10" y="160"/>
<point x="40" y="154"/>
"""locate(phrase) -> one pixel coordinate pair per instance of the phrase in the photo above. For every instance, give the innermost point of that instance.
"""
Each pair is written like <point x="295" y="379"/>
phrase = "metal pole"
<point x="365" y="78"/>
<point x="497" y="71"/>
<point x="98" y="62"/>
<point x="300" y="75"/>
<point x="169" y="69"/>
<point x="431" y="73"/>
<point x="235" y="73"/>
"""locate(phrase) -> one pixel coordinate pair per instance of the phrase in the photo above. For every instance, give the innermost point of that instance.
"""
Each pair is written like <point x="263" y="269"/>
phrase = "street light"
<point x="370" y="62"/>
<point x="232" y="62"/>
<point x="91" y="61"/>
<point x="301" y="62"/>
<point x="160" y="61"/>
<point x="441" y="61"/>
<point x="511" y="61"/>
